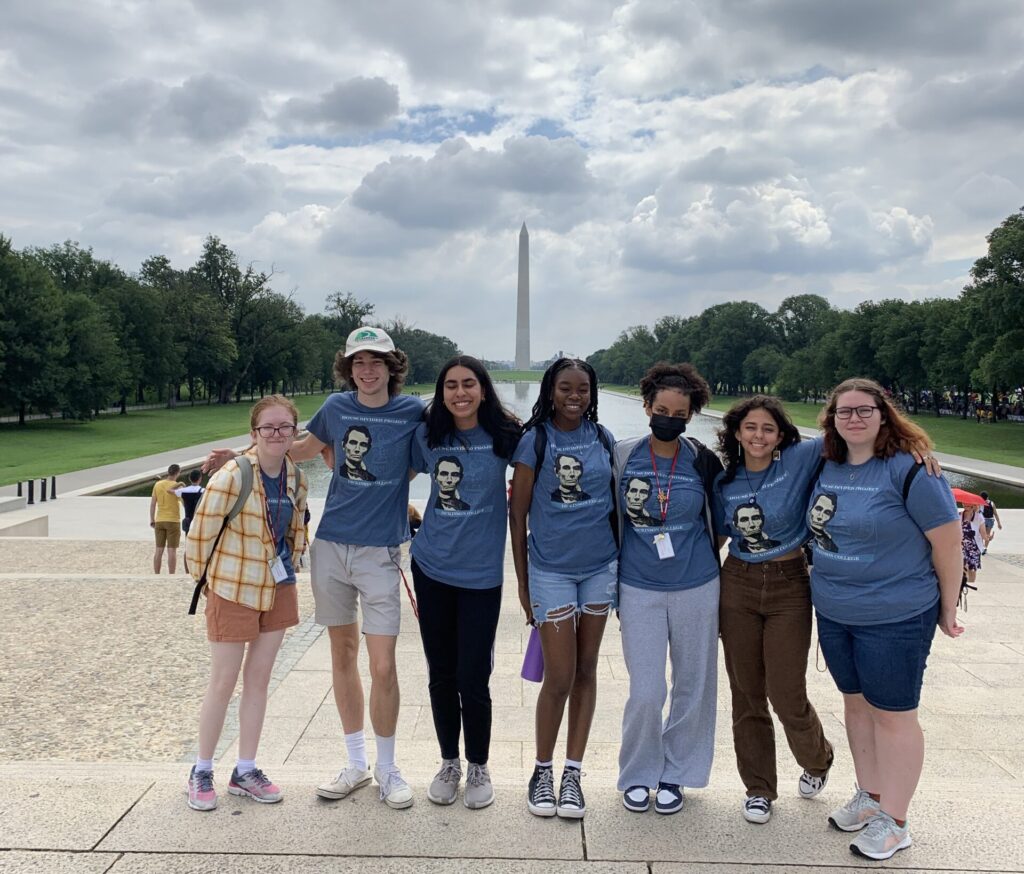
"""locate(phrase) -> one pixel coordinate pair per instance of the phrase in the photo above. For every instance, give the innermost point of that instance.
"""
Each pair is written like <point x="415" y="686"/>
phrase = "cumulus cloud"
<point x="210" y="108"/>
<point x="223" y="187"/>
<point x="353" y="105"/>
<point x="769" y="228"/>
<point x="460" y="186"/>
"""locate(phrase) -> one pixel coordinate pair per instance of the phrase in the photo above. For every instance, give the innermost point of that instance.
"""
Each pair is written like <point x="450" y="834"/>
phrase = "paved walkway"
<point x="103" y="672"/>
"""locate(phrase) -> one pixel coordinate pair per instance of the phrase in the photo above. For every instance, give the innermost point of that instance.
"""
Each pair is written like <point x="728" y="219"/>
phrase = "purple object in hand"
<point x="533" y="661"/>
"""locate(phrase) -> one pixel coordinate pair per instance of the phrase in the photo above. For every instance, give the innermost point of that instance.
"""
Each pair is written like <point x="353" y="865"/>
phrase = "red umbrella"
<point x="968" y="499"/>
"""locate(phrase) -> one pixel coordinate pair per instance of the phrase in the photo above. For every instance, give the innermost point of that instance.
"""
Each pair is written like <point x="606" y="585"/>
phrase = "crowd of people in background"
<point x="599" y="527"/>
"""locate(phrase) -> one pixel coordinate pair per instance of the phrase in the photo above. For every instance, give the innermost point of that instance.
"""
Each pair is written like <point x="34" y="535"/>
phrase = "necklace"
<point x="753" y="492"/>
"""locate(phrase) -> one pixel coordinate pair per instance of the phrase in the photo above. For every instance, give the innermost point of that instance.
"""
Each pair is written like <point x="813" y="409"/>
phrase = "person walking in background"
<point x="668" y="596"/>
<point x="971" y="540"/>
<point x="457" y="567"/>
<point x="894" y="575"/>
<point x="250" y="590"/>
<point x="565" y="555"/>
<point x="990" y="518"/>
<point x="165" y="519"/>
<point x="190" y="496"/>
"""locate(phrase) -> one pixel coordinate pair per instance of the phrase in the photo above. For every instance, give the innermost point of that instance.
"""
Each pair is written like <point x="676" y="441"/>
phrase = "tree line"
<point x="924" y="349"/>
<point x="79" y="334"/>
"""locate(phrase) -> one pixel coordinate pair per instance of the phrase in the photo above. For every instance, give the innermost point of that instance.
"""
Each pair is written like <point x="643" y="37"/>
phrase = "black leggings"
<point x="457" y="627"/>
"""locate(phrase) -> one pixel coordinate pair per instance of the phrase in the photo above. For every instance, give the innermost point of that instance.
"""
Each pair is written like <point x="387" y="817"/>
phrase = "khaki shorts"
<point x="228" y="622"/>
<point x="167" y="534"/>
<point x="344" y="577"/>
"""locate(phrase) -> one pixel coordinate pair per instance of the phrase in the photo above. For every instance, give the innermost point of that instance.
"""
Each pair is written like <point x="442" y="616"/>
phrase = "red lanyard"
<point x="281" y="498"/>
<point x="663" y="496"/>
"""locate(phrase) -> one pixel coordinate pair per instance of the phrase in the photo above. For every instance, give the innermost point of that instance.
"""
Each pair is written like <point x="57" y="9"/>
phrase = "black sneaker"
<point x="570" y="795"/>
<point x="540" y="796"/>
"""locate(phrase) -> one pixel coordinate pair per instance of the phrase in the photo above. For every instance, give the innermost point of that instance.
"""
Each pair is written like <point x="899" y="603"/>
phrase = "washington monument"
<point x="523" y="305"/>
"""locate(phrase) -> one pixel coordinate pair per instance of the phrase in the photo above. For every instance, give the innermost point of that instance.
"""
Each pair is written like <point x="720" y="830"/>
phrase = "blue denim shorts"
<point x="552" y="594"/>
<point x="884" y="663"/>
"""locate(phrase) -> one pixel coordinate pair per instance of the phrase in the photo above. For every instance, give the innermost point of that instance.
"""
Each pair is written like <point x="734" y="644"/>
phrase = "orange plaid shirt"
<point x="240" y="569"/>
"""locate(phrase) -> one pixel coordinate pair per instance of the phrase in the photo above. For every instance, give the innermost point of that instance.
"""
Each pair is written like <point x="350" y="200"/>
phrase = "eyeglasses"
<point x="271" y="430"/>
<point x="864" y="412"/>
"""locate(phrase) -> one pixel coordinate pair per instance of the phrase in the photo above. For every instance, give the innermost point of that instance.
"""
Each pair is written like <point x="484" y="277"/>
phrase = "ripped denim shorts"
<point x="555" y="596"/>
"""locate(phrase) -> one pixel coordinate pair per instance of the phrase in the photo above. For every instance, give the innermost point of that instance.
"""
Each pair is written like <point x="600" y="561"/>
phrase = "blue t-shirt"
<point x="279" y="512"/>
<point x="368" y="499"/>
<point x="872" y="561"/>
<point x="764" y="513"/>
<point x="695" y="562"/>
<point x="462" y="539"/>
<point x="570" y="528"/>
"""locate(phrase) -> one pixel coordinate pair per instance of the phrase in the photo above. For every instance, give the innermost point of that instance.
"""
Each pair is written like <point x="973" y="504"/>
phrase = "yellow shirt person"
<point x="165" y="519"/>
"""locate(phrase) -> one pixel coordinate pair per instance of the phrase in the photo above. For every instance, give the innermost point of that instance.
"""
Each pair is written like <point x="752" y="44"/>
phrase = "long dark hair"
<point x="502" y="426"/>
<point x="729" y="446"/>
<point x="542" y="410"/>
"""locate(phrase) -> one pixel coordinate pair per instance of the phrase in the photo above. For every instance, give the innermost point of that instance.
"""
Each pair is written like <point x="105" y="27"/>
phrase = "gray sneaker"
<point x="882" y="839"/>
<point x="479" y="791"/>
<point x="445" y="787"/>
<point x="856" y="813"/>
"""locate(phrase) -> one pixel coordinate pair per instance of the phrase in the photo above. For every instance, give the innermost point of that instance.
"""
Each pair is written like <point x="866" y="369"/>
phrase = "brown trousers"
<point x="765" y="624"/>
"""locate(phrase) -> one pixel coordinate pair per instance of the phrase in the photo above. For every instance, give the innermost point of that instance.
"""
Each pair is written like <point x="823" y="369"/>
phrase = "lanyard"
<point x="282" y="496"/>
<point x="663" y="496"/>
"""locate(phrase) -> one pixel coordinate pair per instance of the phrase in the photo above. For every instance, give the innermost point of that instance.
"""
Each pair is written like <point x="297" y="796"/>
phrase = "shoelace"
<point x="859" y="801"/>
<point x="255" y="776"/>
<point x="203" y="780"/>
<point x="544" y="791"/>
<point x="757" y="804"/>
<point x="878" y="826"/>
<point x="450" y="772"/>
<point x="478" y="775"/>
<point x="570" y="793"/>
<point x="392" y="780"/>
<point x="815" y="783"/>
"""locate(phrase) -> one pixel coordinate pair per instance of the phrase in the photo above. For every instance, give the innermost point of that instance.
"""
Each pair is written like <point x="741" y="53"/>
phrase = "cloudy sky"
<point x="666" y="155"/>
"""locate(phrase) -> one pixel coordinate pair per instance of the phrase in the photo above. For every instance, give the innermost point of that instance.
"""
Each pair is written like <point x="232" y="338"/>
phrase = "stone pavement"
<point x="103" y="672"/>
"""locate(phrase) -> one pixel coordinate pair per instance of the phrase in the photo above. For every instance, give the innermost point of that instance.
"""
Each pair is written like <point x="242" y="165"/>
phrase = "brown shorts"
<point x="228" y="622"/>
<point x="167" y="534"/>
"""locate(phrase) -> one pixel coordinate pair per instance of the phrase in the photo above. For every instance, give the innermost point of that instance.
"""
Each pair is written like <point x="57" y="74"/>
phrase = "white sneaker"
<point x="882" y="838"/>
<point x="394" y="791"/>
<point x="856" y="813"/>
<point x="808" y="785"/>
<point x="348" y="780"/>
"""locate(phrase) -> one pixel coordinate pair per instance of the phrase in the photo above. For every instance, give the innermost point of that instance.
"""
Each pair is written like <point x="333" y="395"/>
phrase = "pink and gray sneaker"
<point x="256" y="785"/>
<point x="201" y="794"/>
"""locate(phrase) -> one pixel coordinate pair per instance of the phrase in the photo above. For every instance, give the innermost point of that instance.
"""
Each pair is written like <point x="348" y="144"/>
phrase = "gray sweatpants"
<point x="683" y="625"/>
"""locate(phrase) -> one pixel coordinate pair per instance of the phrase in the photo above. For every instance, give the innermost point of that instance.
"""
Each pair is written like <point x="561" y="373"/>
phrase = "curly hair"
<point x="397" y="362"/>
<point x="543" y="408"/>
<point x="729" y="446"/>
<point x="681" y="377"/>
<point x="895" y="434"/>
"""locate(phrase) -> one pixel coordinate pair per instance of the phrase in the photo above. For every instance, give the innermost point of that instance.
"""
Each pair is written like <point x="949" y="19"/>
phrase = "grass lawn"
<point x="48" y="447"/>
<point x="516" y="375"/>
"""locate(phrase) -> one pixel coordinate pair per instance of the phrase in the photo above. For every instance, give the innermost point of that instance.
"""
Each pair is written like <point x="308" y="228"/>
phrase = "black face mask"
<point x="667" y="428"/>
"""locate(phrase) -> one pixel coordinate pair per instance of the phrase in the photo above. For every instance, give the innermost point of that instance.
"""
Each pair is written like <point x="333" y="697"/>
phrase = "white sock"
<point x="204" y="764"/>
<point x="244" y="766"/>
<point x="541" y="764"/>
<point x="355" y="743"/>
<point x="385" y="751"/>
<point x="572" y="763"/>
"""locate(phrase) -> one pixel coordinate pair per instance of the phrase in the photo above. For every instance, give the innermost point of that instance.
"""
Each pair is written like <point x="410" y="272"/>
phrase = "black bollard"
<point x="19" y="488"/>
<point x="31" y="491"/>
<point x="53" y="488"/>
<point x="42" y="489"/>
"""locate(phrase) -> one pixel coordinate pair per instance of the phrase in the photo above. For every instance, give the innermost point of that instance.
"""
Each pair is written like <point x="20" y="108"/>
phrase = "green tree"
<point x="93" y="369"/>
<point x="33" y="339"/>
